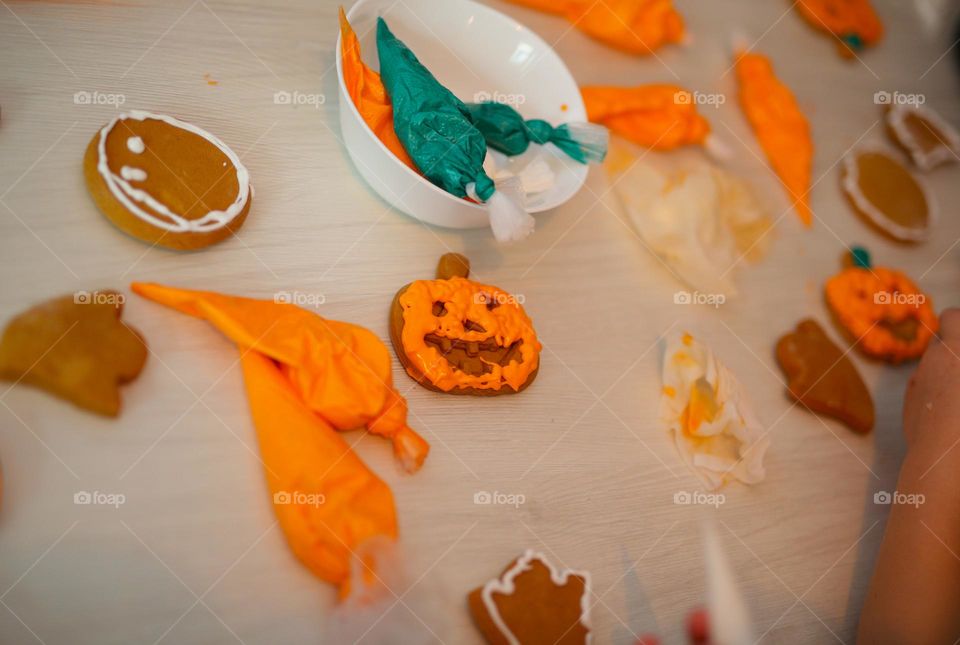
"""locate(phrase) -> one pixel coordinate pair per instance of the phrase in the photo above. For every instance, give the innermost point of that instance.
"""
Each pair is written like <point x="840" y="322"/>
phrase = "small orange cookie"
<point x="885" y="313"/>
<point x="887" y="195"/>
<point x="166" y="182"/>
<point x="822" y="378"/>
<point x="533" y="603"/>
<point x="75" y="347"/>
<point x="459" y="336"/>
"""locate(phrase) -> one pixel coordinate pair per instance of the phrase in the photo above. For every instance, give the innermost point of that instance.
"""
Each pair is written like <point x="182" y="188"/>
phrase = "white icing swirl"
<point x="132" y="198"/>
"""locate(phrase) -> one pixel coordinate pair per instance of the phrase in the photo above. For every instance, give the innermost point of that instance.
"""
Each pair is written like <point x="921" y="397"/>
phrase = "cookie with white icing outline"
<point x="887" y="195"/>
<point x="532" y="603"/>
<point x="923" y="134"/>
<point x="166" y="182"/>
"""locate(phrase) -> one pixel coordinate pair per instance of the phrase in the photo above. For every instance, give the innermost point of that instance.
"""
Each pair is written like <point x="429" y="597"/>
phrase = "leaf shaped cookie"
<point x="823" y="378"/>
<point x="75" y="347"/>
<point x="532" y="603"/>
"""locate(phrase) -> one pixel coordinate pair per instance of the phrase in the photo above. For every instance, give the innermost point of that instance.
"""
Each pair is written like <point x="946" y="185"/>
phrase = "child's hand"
<point x="931" y="410"/>
<point x="915" y="591"/>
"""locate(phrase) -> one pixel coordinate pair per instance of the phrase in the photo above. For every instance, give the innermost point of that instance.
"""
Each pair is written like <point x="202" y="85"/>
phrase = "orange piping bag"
<point x="327" y="501"/>
<point x="307" y="377"/>
<point x="342" y="372"/>
<point x="633" y="26"/>
<point x="780" y="127"/>
<point x="661" y="117"/>
<point x="853" y="22"/>
<point x="368" y="94"/>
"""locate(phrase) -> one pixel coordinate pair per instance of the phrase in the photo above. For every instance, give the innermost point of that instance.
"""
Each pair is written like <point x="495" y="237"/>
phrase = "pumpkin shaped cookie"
<point x="459" y="336"/>
<point x="886" y="314"/>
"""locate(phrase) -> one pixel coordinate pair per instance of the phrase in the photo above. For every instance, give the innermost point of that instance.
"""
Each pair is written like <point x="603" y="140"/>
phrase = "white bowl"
<point x="478" y="53"/>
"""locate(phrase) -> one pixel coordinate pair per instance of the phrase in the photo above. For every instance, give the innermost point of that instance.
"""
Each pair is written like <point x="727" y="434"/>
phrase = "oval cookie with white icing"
<point x="166" y="182"/>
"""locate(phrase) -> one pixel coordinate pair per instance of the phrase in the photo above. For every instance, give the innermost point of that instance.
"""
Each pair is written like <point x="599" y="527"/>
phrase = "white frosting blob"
<point x="132" y="198"/>
<point x="136" y="145"/>
<point x="133" y="174"/>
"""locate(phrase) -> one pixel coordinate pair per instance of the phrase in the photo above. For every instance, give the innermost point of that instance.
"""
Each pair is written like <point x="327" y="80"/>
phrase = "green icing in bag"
<point x="435" y="128"/>
<point x="505" y="129"/>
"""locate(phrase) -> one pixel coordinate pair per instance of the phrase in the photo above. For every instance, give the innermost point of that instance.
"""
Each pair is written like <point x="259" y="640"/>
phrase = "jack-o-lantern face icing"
<point x="883" y="310"/>
<point x="459" y="336"/>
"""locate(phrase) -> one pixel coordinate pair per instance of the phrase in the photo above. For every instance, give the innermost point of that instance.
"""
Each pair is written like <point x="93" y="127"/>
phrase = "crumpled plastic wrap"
<point x="706" y="410"/>
<point x="700" y="220"/>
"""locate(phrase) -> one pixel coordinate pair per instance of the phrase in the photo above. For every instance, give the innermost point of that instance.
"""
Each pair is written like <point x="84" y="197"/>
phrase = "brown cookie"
<point x="75" y="347"/>
<point x="923" y="134"/>
<point x="533" y="603"/>
<point x="887" y="195"/>
<point x="823" y="379"/>
<point x="166" y="182"/>
<point x="458" y="336"/>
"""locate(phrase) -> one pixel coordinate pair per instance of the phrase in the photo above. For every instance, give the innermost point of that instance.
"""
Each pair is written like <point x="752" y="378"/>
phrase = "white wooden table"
<point x="194" y="555"/>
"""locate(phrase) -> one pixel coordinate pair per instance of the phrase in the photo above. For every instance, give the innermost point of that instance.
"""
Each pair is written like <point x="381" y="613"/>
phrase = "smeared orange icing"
<point x="465" y="300"/>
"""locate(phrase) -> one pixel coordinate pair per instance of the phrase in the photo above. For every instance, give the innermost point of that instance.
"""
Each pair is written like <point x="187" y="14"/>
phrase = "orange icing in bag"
<point x="368" y="94"/>
<point x="307" y="378"/>
<point x="780" y="127"/>
<point x="661" y="117"/>
<point x="633" y="26"/>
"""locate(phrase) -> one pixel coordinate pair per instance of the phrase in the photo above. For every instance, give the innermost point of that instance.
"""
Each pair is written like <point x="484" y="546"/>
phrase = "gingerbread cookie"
<point x="823" y="379"/>
<point x="167" y="182"/>
<point x="75" y="347"/>
<point x="923" y="134"/>
<point x="459" y="336"/>
<point x="532" y="603"/>
<point x="882" y="310"/>
<point x="887" y="195"/>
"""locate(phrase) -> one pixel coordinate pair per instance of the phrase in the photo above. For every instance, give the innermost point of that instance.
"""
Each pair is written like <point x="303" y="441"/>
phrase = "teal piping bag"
<point x="435" y="128"/>
<point x="505" y="129"/>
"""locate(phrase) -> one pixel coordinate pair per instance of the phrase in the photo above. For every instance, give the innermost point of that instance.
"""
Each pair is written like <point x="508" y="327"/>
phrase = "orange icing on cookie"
<point x="854" y="22"/>
<point x="497" y="312"/>
<point x="882" y="308"/>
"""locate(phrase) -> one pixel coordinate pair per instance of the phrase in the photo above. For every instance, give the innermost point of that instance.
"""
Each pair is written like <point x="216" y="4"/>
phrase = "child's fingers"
<point x="950" y="325"/>
<point x="931" y="406"/>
